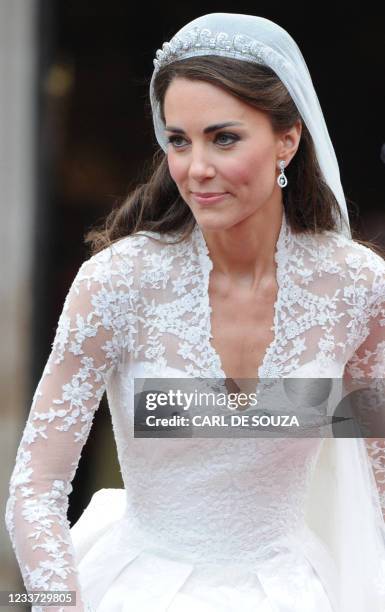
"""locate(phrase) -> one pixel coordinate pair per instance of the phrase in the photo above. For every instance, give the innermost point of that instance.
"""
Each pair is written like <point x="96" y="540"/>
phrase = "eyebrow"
<point x="207" y="130"/>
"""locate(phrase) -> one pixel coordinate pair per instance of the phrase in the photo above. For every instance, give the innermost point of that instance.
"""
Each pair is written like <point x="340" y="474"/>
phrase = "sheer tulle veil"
<point x="343" y="505"/>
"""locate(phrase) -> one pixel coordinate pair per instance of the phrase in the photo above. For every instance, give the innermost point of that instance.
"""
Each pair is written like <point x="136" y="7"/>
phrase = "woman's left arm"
<point x="366" y="371"/>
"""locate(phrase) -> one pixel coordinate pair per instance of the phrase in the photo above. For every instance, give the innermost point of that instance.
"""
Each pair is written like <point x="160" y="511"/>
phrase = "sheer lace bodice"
<point x="141" y="308"/>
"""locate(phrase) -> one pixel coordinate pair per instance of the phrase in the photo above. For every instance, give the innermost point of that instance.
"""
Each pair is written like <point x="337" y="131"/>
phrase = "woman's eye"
<point x="223" y="139"/>
<point x="226" y="139"/>
<point x="175" y="141"/>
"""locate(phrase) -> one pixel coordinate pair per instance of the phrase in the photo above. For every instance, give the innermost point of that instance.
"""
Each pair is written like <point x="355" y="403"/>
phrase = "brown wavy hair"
<point x="156" y="205"/>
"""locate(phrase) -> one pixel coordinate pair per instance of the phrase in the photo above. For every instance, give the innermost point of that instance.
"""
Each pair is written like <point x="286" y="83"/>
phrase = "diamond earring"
<point x="281" y="179"/>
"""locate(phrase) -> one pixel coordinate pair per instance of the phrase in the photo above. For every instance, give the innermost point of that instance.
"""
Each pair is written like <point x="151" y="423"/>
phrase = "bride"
<point x="234" y="261"/>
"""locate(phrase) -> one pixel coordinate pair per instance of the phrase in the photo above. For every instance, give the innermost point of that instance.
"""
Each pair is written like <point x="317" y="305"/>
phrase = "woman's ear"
<point x="288" y="142"/>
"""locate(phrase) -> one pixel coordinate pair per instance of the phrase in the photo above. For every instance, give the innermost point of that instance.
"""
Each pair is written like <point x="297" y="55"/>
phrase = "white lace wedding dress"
<point x="204" y="524"/>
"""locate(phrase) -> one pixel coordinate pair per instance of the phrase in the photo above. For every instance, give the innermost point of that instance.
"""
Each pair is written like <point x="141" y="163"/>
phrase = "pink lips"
<point x="208" y="197"/>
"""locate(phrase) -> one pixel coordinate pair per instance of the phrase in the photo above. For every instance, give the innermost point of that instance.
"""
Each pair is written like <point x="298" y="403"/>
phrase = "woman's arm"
<point x="366" y="370"/>
<point x="85" y="350"/>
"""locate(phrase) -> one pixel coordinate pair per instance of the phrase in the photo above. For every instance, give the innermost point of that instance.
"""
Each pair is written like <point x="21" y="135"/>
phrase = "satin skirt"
<point x="121" y="570"/>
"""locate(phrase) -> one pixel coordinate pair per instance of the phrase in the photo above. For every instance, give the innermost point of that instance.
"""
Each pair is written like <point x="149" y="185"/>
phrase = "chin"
<point x="215" y="222"/>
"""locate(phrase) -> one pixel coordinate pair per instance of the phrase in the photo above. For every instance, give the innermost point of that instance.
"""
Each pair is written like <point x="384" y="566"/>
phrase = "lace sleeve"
<point x="367" y="365"/>
<point x="85" y="351"/>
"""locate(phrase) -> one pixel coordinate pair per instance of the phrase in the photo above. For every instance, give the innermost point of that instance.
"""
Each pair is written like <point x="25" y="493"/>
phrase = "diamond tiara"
<point x="198" y="41"/>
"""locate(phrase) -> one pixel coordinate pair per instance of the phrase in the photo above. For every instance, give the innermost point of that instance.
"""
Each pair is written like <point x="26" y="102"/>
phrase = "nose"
<point x="201" y="166"/>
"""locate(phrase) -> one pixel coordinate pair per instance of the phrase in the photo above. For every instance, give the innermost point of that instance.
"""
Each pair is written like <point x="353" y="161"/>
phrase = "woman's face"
<point x="220" y="145"/>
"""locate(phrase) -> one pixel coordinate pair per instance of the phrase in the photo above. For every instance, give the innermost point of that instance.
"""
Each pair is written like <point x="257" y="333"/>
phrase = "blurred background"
<point x="75" y="135"/>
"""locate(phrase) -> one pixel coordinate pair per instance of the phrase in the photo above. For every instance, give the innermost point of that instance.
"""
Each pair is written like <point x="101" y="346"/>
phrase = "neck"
<point x="244" y="253"/>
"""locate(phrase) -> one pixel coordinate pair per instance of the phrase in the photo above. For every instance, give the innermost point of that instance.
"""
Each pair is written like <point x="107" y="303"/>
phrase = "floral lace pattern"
<point x="368" y="365"/>
<point x="145" y="302"/>
<point x="95" y="326"/>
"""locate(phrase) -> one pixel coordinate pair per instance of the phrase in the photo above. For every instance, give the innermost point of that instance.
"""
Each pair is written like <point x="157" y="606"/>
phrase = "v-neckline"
<point x="263" y="369"/>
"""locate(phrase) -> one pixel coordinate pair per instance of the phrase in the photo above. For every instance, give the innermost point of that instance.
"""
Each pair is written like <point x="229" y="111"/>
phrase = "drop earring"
<point x="282" y="179"/>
